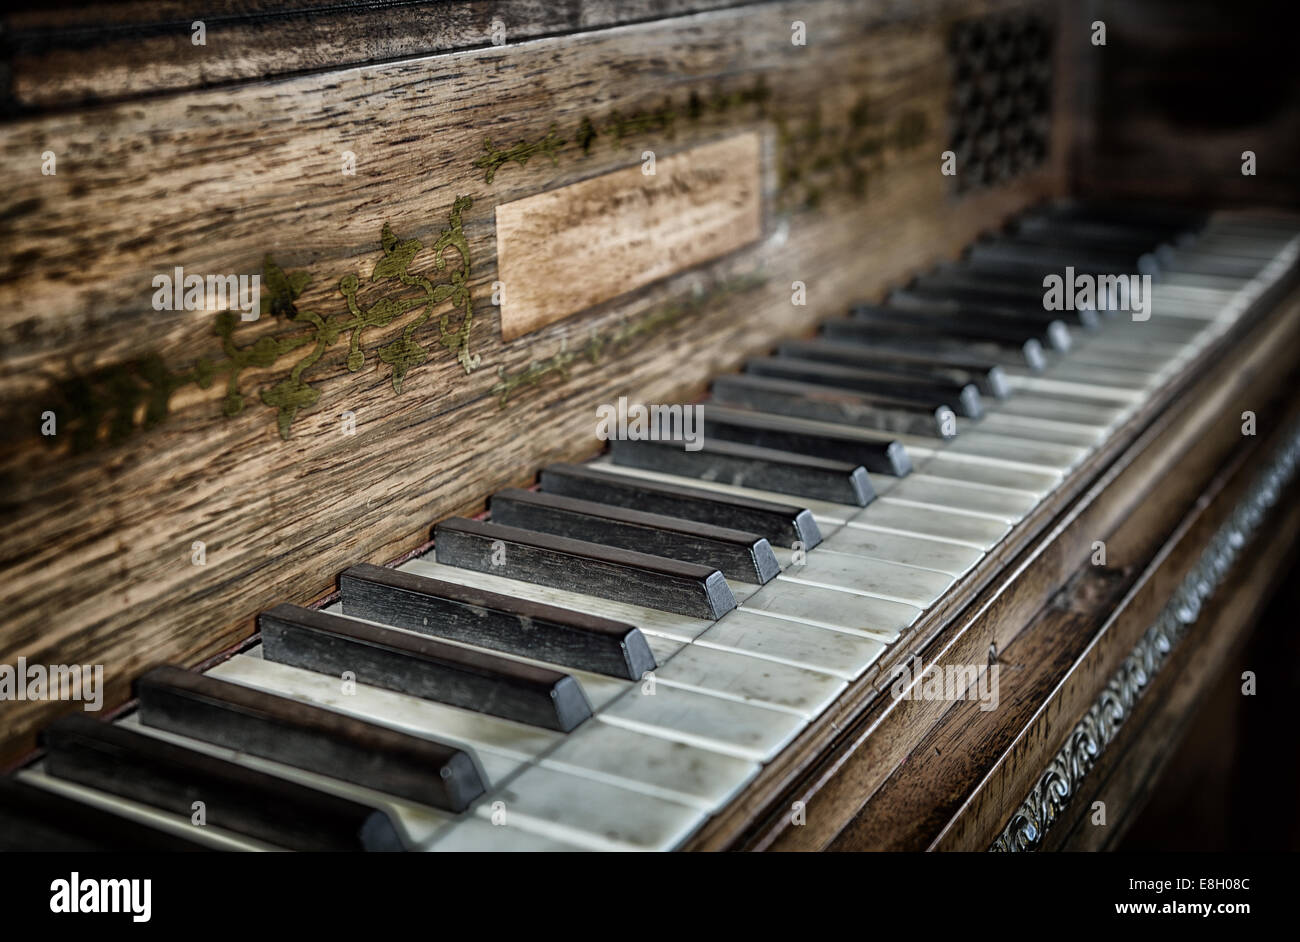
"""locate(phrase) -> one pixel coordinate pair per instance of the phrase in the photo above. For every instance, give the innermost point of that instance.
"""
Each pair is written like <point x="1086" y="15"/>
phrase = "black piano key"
<point x="959" y="302"/>
<point x="1131" y="243"/>
<point x="1191" y="262"/>
<point x="1023" y="287"/>
<point x="1122" y="242"/>
<point x="1009" y="253"/>
<point x="781" y="524"/>
<point x="589" y="568"/>
<point x="933" y="386"/>
<point x="307" y="736"/>
<point x="1012" y="266"/>
<point x="422" y="667"/>
<point x="1051" y="332"/>
<point x="963" y="397"/>
<point x="146" y="769"/>
<point x="1106" y="229"/>
<point x="496" y="621"/>
<point x="763" y="469"/>
<point x="36" y="819"/>
<point x="916" y="337"/>
<point x="834" y="404"/>
<point x="906" y="323"/>
<point x="1050" y="223"/>
<point x="1126" y="213"/>
<point x="747" y="557"/>
<point x="805" y="437"/>
<point x="989" y="378"/>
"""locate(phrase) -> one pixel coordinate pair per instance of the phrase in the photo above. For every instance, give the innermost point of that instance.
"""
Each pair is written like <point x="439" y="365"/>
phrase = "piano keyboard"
<point x="604" y="662"/>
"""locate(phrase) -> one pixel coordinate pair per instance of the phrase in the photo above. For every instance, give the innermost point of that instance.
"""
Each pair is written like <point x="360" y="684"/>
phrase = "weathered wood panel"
<point x="68" y="54"/>
<point x="571" y="248"/>
<point x="373" y="396"/>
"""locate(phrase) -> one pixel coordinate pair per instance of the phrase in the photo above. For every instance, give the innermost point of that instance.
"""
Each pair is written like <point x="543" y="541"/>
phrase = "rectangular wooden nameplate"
<point x="565" y="250"/>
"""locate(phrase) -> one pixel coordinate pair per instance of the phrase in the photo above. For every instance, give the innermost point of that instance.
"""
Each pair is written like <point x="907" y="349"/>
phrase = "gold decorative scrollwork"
<point x="1059" y="782"/>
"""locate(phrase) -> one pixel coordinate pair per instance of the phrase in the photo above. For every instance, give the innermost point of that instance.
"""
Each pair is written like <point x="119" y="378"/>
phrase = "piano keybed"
<point x="609" y="659"/>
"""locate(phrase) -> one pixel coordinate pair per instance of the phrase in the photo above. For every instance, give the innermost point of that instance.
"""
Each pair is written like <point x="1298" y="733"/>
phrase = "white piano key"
<point x="662" y="647"/>
<point x="1168" y="308"/>
<point x="983" y="533"/>
<point x="1028" y="385"/>
<point x="1048" y="430"/>
<point x="589" y="813"/>
<point x="649" y="620"/>
<point x="214" y="837"/>
<point x="741" y="590"/>
<point x="976" y="456"/>
<point x="795" y="643"/>
<point x="1143" y="362"/>
<point x="882" y="619"/>
<point x="658" y="767"/>
<point x="1120" y="357"/>
<point x="947" y="494"/>
<point x="1006" y="448"/>
<point x="882" y="484"/>
<point x="500" y="745"/>
<point x="1039" y="481"/>
<point x="1196" y="290"/>
<point x="1075" y="372"/>
<point x="1121" y="340"/>
<point x="744" y="730"/>
<point x="954" y="559"/>
<point x="1059" y="410"/>
<point x="874" y="577"/>
<point x="475" y="835"/>
<point x="751" y="680"/>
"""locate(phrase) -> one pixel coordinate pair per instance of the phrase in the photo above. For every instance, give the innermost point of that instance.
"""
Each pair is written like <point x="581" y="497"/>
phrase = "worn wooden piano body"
<point x="475" y="223"/>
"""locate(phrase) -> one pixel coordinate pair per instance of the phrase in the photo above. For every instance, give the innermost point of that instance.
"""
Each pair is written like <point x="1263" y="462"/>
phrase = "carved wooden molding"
<point x="1059" y="783"/>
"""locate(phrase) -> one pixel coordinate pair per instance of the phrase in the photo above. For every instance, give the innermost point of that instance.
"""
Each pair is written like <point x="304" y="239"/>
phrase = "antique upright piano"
<point x="696" y="424"/>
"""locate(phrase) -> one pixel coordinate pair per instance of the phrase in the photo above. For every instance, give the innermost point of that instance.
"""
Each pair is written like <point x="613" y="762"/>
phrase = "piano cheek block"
<point x="422" y="667"/>
<point x="236" y="798"/>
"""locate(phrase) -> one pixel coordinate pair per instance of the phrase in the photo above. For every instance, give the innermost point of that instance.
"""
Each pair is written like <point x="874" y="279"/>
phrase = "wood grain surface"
<point x="568" y="249"/>
<point x="65" y="54"/>
<point x="205" y="468"/>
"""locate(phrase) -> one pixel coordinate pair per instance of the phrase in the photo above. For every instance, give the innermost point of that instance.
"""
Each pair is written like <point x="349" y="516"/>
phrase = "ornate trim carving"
<point x="1059" y="783"/>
